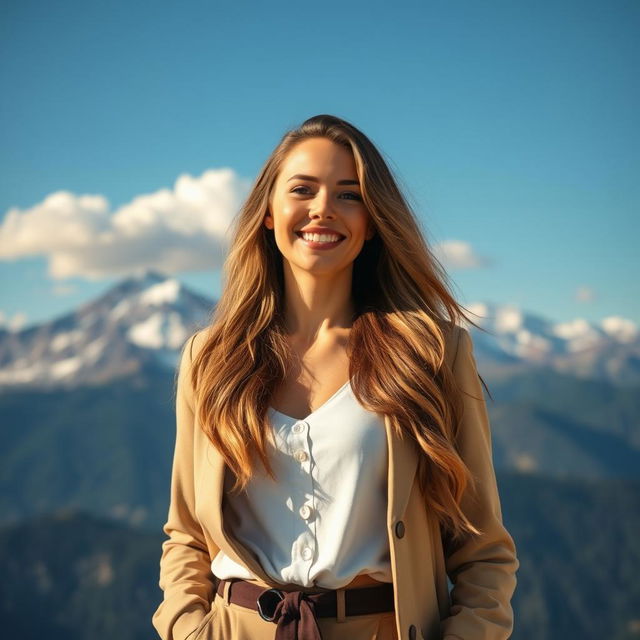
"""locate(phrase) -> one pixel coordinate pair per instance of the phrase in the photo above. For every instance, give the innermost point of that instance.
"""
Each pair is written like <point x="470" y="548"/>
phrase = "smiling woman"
<point x="333" y="461"/>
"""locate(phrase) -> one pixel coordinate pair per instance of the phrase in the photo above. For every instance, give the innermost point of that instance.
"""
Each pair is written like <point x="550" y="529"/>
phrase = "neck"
<point x="317" y="304"/>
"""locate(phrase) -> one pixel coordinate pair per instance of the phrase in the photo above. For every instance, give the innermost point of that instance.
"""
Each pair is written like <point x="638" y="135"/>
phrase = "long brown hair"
<point x="404" y="309"/>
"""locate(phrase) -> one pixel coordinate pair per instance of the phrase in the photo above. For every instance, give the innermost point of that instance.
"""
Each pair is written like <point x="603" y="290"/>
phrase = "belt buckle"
<point x="267" y="602"/>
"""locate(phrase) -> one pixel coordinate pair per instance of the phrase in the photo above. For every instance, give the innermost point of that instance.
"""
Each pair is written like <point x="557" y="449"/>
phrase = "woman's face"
<point x="317" y="187"/>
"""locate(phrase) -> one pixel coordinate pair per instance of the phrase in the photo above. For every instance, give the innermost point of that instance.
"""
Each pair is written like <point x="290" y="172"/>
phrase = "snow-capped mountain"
<point x="140" y="323"/>
<point x="516" y="341"/>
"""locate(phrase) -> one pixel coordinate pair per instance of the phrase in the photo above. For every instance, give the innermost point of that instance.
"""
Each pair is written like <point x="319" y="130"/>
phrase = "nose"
<point x="321" y="206"/>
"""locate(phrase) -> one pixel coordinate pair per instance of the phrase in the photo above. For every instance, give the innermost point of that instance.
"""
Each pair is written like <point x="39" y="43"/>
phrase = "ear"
<point x="268" y="220"/>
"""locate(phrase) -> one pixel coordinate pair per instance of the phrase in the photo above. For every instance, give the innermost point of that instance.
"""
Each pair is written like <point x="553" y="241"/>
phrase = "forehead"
<point x="318" y="156"/>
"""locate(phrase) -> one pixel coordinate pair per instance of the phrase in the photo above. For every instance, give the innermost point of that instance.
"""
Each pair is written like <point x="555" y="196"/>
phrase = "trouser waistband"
<point x="295" y="612"/>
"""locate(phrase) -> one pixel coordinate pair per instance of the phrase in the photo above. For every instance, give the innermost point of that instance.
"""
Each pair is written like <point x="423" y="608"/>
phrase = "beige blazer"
<point x="483" y="571"/>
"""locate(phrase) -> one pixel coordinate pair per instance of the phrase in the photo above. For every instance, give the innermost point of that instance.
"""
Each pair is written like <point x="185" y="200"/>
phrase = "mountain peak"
<point x="138" y="324"/>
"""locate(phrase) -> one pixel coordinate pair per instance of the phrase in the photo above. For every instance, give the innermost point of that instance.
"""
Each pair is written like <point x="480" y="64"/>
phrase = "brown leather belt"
<point x="295" y="612"/>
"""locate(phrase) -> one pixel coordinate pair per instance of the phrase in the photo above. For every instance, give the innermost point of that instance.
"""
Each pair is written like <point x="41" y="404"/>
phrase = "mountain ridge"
<point x="142" y="322"/>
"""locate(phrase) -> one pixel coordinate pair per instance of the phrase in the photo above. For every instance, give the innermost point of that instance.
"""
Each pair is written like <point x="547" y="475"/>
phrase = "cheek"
<point x="361" y="222"/>
<point x="286" y="218"/>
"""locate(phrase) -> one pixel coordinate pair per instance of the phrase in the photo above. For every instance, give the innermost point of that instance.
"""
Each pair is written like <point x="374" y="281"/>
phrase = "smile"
<point x="320" y="240"/>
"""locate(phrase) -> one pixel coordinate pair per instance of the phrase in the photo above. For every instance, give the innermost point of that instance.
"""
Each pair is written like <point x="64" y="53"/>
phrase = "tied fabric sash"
<point x="295" y="617"/>
<point x="295" y="613"/>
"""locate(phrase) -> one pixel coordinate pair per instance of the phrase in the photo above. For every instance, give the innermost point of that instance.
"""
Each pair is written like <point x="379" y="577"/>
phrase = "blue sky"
<point x="511" y="126"/>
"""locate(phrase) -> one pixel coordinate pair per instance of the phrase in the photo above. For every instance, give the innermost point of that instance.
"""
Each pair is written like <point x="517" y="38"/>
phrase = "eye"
<point x="346" y="193"/>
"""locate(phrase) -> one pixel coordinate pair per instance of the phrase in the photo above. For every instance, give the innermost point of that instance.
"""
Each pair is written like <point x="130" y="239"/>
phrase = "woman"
<point x="333" y="454"/>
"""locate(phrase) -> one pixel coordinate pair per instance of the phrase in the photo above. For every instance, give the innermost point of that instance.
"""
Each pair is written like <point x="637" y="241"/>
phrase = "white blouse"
<point x="324" y="521"/>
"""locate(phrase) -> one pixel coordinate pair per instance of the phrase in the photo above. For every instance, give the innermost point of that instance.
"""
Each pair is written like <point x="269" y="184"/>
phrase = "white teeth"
<point x="320" y="237"/>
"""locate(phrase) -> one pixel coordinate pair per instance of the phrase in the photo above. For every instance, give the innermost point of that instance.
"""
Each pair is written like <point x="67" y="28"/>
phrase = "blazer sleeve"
<point x="482" y="569"/>
<point x="185" y="565"/>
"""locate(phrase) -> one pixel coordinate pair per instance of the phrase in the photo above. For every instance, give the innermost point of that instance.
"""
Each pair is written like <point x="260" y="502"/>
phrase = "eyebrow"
<point x="301" y="176"/>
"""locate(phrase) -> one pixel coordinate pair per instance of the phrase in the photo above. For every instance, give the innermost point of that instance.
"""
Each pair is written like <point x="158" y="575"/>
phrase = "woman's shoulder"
<point x="197" y="340"/>
<point x="190" y="349"/>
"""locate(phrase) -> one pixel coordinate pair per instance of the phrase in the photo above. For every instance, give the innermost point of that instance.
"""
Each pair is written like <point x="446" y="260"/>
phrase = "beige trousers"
<point x="229" y="621"/>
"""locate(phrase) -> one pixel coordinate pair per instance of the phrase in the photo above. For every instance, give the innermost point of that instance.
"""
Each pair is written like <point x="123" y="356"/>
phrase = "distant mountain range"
<point x="140" y="324"/>
<point x="516" y="342"/>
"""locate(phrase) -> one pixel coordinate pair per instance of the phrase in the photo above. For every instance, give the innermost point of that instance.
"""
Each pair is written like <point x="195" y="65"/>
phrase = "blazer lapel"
<point x="403" y="462"/>
<point x="211" y="509"/>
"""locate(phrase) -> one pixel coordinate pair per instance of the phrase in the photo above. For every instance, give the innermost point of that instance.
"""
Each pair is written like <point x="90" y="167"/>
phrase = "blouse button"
<point x="400" y="529"/>
<point x="298" y="427"/>
<point x="305" y="511"/>
<point x="412" y="632"/>
<point x="301" y="456"/>
<point x="307" y="553"/>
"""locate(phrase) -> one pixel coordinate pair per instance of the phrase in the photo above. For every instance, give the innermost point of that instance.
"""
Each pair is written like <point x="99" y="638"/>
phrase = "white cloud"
<point x="182" y="229"/>
<point x="455" y="254"/>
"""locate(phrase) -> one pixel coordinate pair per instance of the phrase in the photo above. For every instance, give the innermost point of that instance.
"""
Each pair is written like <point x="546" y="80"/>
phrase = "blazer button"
<point x="412" y="632"/>
<point x="400" y="529"/>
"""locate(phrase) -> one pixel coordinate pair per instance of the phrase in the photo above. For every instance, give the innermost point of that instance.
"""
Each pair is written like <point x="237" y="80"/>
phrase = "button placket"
<point x="312" y="503"/>
<point x="298" y="442"/>
<point x="301" y="446"/>
<point x="298" y="446"/>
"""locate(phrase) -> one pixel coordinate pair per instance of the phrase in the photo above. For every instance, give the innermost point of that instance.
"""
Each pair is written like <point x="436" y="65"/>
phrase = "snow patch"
<point x="166" y="292"/>
<point x="148" y="334"/>
<point x="578" y="328"/>
<point x="63" y="340"/>
<point x="65" y="368"/>
<point x="509" y="319"/>
<point x="94" y="349"/>
<point x="531" y="345"/>
<point x="620" y="329"/>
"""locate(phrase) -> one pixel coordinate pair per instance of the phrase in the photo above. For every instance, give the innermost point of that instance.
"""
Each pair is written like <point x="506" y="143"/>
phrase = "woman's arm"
<point x="185" y="565"/>
<point x="483" y="568"/>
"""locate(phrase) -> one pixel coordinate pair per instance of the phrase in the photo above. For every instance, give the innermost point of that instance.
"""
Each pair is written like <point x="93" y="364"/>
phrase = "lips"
<point x="313" y="244"/>
<point x="324" y="232"/>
